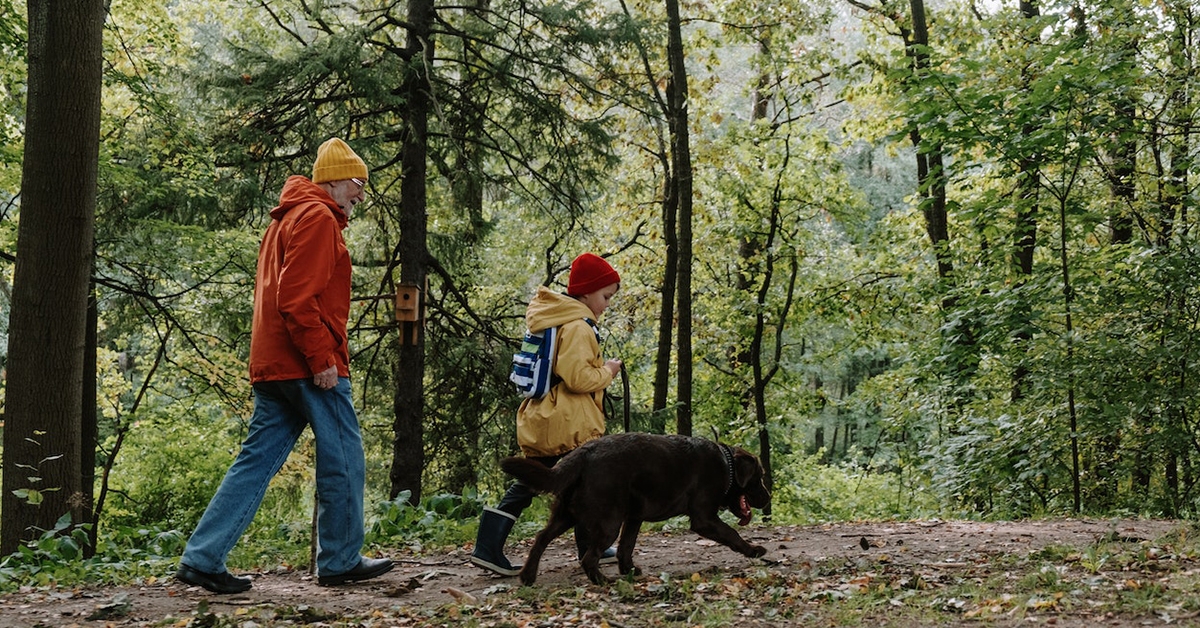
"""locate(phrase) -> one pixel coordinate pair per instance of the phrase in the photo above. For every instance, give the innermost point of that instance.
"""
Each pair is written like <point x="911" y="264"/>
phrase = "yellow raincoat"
<point x="572" y="413"/>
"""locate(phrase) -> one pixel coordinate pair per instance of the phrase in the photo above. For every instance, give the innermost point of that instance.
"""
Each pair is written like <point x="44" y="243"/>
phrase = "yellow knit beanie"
<point x="336" y="161"/>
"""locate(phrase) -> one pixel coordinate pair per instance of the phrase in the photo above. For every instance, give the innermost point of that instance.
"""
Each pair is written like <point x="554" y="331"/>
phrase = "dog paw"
<point x="528" y="579"/>
<point x="756" y="551"/>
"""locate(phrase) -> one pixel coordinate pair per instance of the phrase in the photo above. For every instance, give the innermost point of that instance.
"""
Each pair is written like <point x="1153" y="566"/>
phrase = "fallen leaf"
<point x="462" y="596"/>
<point x="118" y="607"/>
<point x="407" y="587"/>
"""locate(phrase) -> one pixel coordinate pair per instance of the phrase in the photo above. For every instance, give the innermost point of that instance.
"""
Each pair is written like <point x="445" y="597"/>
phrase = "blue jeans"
<point x="281" y="412"/>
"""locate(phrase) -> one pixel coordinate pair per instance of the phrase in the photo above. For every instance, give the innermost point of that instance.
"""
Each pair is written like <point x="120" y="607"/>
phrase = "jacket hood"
<point x="299" y="190"/>
<point x="551" y="309"/>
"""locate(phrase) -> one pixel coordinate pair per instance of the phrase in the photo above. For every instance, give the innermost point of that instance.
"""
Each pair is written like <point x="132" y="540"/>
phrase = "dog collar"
<point x="728" y="454"/>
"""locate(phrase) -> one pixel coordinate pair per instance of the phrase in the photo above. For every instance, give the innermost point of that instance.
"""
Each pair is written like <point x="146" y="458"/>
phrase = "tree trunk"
<point x="931" y="176"/>
<point x="681" y="160"/>
<point x="1072" y="411"/>
<point x="43" y="440"/>
<point x="666" y="315"/>
<point x="1025" y="240"/>
<point x="1175" y="148"/>
<point x="931" y="189"/>
<point x="88" y="426"/>
<point x="408" y="451"/>
<point x="667" y="290"/>
<point x="1123" y="169"/>
<point x="749" y="250"/>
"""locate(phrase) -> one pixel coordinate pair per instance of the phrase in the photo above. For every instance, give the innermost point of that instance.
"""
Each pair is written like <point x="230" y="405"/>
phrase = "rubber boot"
<point x="494" y="526"/>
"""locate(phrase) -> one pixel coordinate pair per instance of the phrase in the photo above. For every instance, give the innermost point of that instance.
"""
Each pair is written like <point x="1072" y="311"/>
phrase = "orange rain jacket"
<point x="302" y="288"/>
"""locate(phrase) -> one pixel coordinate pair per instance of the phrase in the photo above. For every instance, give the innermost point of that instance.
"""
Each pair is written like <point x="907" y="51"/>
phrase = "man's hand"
<point x="326" y="379"/>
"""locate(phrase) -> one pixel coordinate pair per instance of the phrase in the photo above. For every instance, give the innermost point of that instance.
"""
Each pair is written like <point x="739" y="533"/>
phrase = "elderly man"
<point x="299" y="369"/>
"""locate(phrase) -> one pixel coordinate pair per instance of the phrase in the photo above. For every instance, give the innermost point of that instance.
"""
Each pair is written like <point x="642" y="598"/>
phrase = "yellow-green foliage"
<point x="807" y="491"/>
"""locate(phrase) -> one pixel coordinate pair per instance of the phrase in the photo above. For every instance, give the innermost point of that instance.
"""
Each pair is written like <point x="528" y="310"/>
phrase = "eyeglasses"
<point x="360" y="183"/>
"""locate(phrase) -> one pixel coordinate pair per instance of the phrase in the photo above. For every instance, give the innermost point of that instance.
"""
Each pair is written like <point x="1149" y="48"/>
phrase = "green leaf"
<point x="32" y="496"/>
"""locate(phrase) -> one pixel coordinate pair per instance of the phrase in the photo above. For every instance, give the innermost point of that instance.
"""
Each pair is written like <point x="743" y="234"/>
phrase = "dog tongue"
<point x="744" y="513"/>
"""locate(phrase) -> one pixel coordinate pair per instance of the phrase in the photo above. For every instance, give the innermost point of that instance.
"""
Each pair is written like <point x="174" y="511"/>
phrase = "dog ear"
<point x="745" y="468"/>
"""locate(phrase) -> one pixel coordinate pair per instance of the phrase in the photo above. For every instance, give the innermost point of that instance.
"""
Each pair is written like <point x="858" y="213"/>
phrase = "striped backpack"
<point x="533" y="365"/>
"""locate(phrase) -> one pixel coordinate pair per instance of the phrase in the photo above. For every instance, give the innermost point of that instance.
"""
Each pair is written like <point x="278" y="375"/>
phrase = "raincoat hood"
<point x="551" y="309"/>
<point x="300" y="190"/>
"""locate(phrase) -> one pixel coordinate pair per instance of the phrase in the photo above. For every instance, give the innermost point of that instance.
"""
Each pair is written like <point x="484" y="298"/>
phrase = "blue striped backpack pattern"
<point x="533" y="365"/>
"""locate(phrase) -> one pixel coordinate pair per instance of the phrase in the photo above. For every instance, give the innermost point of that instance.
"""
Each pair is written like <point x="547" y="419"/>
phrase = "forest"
<point x="923" y="258"/>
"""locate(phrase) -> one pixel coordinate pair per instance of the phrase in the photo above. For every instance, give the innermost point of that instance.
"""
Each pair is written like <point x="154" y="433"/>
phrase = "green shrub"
<point x="807" y="491"/>
<point x="168" y="470"/>
<point x="123" y="555"/>
<point x="438" y="521"/>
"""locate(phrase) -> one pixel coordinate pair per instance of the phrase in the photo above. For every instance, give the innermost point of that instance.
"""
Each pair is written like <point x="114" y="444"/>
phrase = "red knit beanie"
<point x="589" y="273"/>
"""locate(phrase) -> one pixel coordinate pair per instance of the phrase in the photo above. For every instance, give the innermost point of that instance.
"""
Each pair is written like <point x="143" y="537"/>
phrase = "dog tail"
<point x="531" y="473"/>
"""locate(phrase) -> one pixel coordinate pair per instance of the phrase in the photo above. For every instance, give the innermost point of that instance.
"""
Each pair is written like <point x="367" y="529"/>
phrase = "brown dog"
<point x="612" y="484"/>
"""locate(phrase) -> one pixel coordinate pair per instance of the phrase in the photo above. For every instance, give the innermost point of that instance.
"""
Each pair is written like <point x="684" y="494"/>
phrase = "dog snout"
<point x="759" y="496"/>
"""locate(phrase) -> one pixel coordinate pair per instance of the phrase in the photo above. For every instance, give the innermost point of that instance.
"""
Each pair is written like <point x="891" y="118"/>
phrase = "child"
<point x="572" y="413"/>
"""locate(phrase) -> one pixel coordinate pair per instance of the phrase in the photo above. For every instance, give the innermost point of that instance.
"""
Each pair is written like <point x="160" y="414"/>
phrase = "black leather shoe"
<point x="223" y="582"/>
<point x="366" y="568"/>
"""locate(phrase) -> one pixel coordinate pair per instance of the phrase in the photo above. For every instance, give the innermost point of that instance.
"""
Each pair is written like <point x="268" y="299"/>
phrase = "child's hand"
<point x="614" y="366"/>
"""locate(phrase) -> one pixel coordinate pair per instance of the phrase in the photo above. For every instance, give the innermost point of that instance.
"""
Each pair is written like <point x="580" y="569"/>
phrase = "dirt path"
<point x="432" y="582"/>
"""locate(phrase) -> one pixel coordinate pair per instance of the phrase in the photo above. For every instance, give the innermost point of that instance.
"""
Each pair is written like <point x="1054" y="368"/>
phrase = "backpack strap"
<point x="595" y="329"/>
